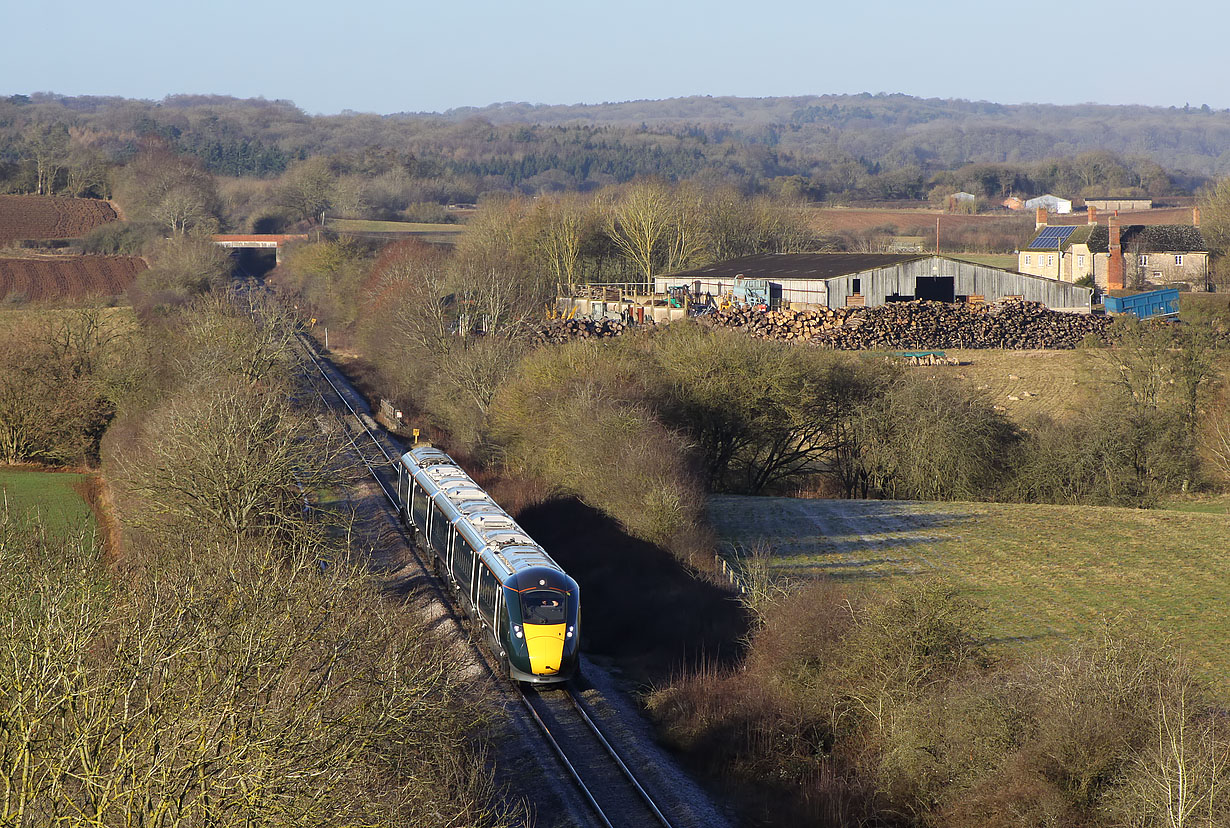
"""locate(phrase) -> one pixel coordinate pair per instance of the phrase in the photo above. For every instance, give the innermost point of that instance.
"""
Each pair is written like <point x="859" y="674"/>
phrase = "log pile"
<point x="557" y="331"/>
<point x="926" y="325"/>
<point x="897" y="326"/>
<point x="781" y="324"/>
<point x="922" y="325"/>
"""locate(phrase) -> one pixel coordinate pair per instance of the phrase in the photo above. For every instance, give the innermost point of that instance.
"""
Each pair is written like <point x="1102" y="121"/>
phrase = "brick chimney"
<point x="1093" y="215"/>
<point x="1114" y="264"/>
<point x="1039" y="217"/>
<point x="1196" y="216"/>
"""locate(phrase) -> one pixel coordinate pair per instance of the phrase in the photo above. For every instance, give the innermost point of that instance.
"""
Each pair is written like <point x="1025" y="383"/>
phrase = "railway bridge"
<point x="259" y="241"/>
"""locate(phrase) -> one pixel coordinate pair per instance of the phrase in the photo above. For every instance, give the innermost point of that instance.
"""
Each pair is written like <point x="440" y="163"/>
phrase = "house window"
<point x="1080" y="261"/>
<point x="1050" y="260"/>
<point x="1178" y="261"/>
<point x="1027" y="261"/>
<point x="858" y="285"/>
<point x="1143" y="260"/>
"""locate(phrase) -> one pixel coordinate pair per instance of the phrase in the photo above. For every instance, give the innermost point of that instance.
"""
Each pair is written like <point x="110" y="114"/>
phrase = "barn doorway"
<point x="936" y="288"/>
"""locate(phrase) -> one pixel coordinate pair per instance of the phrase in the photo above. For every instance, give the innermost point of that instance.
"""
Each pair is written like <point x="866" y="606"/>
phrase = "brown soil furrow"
<point x="50" y="217"/>
<point x="67" y="277"/>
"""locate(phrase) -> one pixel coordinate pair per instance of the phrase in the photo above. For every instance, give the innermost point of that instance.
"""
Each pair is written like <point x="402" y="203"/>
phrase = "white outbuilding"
<point x="1052" y="203"/>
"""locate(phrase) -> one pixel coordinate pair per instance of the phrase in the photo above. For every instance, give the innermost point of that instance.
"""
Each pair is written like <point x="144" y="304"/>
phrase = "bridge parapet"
<point x="259" y="241"/>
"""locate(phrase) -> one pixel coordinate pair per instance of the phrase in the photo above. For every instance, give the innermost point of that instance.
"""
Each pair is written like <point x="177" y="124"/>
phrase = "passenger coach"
<point x="526" y="604"/>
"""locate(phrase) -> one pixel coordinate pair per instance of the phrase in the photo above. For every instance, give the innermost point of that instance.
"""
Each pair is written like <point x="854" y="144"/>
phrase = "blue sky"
<point x="381" y="56"/>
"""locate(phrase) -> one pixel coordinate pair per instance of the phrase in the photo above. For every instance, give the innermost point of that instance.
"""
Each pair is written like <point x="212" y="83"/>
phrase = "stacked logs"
<point x="922" y="325"/>
<point x="918" y="325"/>
<point x="557" y="331"/>
<point x="780" y="324"/>
<point x="897" y="326"/>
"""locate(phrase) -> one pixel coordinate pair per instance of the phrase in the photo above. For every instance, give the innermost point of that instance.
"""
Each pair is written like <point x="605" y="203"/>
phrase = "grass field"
<point x="50" y="496"/>
<point x="1044" y="572"/>
<point x="1022" y="382"/>
<point x="437" y="233"/>
<point x="120" y="318"/>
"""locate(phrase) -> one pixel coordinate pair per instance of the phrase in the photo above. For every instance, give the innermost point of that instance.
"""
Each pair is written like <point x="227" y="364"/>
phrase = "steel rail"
<point x="610" y="749"/>
<point x="562" y="755"/>
<point x="557" y="748"/>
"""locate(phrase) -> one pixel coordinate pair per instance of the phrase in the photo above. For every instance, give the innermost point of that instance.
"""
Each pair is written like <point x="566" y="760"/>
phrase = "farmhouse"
<point x="1052" y="203"/>
<point x="838" y="280"/>
<point x="1115" y="257"/>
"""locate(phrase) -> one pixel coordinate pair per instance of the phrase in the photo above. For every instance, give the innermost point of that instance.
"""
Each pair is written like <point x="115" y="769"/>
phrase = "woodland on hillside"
<point x="831" y="147"/>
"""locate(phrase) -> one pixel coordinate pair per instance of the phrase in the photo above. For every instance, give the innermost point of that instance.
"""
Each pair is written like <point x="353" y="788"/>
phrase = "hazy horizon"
<point x="391" y="57"/>
<point x="5" y="93"/>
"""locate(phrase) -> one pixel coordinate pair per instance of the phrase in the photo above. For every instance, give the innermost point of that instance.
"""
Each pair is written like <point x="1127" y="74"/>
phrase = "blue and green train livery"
<point x="527" y="606"/>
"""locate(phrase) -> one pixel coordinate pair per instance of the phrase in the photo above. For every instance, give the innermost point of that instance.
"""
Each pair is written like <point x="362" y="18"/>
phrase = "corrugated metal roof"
<point x="796" y="266"/>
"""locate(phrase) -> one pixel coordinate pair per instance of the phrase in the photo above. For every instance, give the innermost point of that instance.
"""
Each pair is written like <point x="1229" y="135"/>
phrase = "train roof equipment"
<point x="493" y="533"/>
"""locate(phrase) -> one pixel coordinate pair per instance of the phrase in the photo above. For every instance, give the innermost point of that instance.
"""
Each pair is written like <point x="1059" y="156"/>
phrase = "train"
<point x="527" y="607"/>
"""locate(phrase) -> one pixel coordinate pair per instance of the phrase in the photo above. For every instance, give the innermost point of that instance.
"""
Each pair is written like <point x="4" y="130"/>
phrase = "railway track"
<point x="608" y="787"/>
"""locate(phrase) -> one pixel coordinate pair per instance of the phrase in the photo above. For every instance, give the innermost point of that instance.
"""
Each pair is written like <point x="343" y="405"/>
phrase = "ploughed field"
<point x="50" y="217"/>
<point x="1044" y="572"/>
<point x="66" y="277"/>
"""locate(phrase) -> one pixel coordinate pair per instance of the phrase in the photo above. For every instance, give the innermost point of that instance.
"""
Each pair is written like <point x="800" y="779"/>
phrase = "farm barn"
<point x="837" y="280"/>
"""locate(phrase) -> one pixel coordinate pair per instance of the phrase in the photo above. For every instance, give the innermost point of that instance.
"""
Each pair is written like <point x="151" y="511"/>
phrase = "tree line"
<point x="231" y="660"/>
<point x="881" y="148"/>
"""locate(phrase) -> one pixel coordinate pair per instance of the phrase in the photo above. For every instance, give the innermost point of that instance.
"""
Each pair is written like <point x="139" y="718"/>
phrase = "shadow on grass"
<point x="843" y="539"/>
<point x="641" y="606"/>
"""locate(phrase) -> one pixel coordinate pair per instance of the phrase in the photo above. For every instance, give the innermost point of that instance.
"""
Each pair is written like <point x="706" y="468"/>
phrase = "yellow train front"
<point x="539" y="631"/>
<point x="526" y="606"/>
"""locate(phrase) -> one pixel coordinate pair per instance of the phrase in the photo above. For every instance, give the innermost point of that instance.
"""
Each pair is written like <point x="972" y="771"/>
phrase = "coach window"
<point x="439" y="530"/>
<point x="418" y="507"/>
<point x="486" y="590"/>
<point x="463" y="564"/>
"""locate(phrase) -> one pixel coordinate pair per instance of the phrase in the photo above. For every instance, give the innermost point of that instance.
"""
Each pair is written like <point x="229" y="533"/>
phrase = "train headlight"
<point x="517" y="631"/>
<point x="570" y="631"/>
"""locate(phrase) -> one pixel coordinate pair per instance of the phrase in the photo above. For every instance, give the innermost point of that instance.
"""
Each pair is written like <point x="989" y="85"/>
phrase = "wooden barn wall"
<point x="968" y="278"/>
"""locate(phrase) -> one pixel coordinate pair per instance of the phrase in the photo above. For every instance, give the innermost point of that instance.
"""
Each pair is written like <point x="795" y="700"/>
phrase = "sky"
<point x="383" y="56"/>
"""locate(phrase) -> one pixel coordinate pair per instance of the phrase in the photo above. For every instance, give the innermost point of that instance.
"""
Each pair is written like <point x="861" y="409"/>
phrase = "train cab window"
<point x="543" y="606"/>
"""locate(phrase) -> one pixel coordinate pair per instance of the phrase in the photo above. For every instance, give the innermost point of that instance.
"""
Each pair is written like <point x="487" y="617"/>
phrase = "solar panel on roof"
<point x="1051" y="237"/>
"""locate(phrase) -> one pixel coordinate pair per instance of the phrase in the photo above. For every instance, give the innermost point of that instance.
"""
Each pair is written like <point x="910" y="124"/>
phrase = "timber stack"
<point x="780" y="324"/>
<point x="556" y="331"/>
<point x="922" y="325"/>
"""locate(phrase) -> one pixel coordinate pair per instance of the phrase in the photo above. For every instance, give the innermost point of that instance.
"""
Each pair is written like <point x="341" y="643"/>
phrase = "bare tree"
<point x="47" y="143"/>
<point x="307" y="188"/>
<point x="229" y="458"/>
<point x="183" y="209"/>
<point x="639" y="223"/>
<point x="563" y="222"/>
